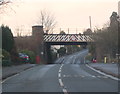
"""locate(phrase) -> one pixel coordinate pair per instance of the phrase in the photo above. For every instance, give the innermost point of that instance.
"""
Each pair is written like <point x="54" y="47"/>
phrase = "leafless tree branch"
<point x="47" y="20"/>
<point x="4" y="2"/>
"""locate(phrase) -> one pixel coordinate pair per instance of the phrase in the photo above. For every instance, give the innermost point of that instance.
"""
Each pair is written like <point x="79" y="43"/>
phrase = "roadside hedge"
<point x="6" y="61"/>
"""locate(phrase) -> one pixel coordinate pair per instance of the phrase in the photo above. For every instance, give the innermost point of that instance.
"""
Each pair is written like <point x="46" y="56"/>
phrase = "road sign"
<point x="73" y="38"/>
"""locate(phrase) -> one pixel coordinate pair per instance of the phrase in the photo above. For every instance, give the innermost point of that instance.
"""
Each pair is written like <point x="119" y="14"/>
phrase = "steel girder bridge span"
<point x="64" y="39"/>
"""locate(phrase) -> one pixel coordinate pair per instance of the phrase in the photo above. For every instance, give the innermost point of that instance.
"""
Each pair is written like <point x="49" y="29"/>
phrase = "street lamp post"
<point x="118" y="55"/>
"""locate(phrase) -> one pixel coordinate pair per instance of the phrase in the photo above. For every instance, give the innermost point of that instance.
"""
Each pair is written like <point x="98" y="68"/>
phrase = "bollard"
<point x="37" y="59"/>
<point x="105" y="59"/>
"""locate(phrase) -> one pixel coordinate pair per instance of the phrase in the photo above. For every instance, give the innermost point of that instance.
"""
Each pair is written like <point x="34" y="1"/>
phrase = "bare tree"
<point x="19" y="31"/>
<point x="106" y="41"/>
<point x="47" y="20"/>
<point x="4" y="2"/>
<point x="5" y="5"/>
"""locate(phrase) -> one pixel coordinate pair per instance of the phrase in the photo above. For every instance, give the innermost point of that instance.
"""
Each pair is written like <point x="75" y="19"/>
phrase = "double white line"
<point x="60" y="80"/>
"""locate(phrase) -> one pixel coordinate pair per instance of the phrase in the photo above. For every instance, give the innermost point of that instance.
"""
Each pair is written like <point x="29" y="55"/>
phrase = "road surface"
<point x="68" y="75"/>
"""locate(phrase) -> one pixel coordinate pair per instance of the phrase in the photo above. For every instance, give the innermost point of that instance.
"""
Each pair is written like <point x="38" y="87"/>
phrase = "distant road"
<point x="76" y="58"/>
<point x="72" y="75"/>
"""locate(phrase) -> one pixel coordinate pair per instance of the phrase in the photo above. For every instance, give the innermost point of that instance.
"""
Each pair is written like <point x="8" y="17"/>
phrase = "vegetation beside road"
<point x="31" y="55"/>
<point x="9" y="50"/>
<point x="106" y="41"/>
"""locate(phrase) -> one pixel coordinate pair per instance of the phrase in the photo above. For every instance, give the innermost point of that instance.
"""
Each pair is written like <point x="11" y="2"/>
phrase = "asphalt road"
<point x="70" y="74"/>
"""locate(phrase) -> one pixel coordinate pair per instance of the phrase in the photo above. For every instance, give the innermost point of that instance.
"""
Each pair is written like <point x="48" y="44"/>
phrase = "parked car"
<point x="94" y="60"/>
<point x="23" y="57"/>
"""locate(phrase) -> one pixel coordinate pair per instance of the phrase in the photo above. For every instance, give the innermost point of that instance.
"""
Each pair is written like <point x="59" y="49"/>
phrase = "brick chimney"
<point x="37" y="30"/>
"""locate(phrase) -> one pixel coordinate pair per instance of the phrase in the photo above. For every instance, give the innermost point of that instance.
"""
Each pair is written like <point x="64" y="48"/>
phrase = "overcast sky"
<point x="68" y="13"/>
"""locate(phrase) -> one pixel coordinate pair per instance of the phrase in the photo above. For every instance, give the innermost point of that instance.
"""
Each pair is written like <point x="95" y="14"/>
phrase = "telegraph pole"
<point x="60" y="29"/>
<point x="90" y="22"/>
<point x="76" y="30"/>
<point x="68" y="30"/>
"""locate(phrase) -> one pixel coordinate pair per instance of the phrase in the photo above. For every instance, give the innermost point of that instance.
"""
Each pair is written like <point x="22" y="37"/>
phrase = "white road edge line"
<point x="114" y="78"/>
<point x="12" y="76"/>
<point x="9" y="77"/>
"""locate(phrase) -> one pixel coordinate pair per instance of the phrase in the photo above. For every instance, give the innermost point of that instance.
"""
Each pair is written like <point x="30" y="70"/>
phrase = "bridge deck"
<point x="68" y="38"/>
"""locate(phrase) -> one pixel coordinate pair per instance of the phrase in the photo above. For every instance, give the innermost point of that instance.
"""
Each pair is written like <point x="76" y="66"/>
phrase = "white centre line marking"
<point x="61" y="83"/>
<point x="65" y="91"/>
<point x="82" y="76"/>
<point x="59" y="75"/>
<point x="94" y="76"/>
<point x="105" y="77"/>
<point x="59" y="71"/>
<point x="60" y="80"/>
<point x="98" y="76"/>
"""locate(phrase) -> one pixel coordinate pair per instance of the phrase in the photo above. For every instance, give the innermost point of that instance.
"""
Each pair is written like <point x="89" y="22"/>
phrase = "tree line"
<point x="10" y="48"/>
<point x="106" y="41"/>
<point x="9" y="51"/>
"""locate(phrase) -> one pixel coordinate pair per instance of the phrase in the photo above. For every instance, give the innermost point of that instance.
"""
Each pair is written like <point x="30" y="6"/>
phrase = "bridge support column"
<point x="47" y="51"/>
<point x="37" y="38"/>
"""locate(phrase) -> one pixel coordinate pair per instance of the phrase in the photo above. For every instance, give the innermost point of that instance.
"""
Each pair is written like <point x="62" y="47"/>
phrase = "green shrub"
<point x="6" y="58"/>
<point x="7" y="38"/>
<point x="6" y="63"/>
<point x="5" y="55"/>
<point x="89" y="57"/>
<point x="54" y="55"/>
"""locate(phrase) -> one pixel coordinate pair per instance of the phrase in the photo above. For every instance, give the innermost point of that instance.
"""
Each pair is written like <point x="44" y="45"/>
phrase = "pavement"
<point x="12" y="70"/>
<point x="108" y="68"/>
